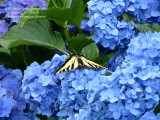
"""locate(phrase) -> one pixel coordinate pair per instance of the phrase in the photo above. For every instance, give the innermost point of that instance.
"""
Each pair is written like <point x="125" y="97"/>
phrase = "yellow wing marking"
<point x="70" y="64"/>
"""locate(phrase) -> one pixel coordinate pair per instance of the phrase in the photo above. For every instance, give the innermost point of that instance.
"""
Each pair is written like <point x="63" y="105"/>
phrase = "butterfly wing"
<point x="70" y="63"/>
<point x="91" y="63"/>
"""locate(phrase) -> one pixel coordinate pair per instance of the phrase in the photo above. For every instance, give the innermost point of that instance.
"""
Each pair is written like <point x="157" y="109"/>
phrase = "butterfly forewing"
<point x="70" y="64"/>
<point x="91" y="63"/>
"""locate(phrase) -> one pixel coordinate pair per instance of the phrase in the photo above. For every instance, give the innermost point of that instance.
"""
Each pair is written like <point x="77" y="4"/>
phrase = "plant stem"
<point x="65" y="29"/>
<point x="24" y="55"/>
<point x="54" y="4"/>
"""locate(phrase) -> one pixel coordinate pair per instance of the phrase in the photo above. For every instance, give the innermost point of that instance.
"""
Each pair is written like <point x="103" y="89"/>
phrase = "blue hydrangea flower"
<point x="3" y="71"/>
<point x="31" y="3"/>
<point x="136" y="80"/>
<point x="11" y="103"/>
<point x="6" y="102"/>
<point x="20" y="115"/>
<point x="116" y="59"/>
<point x="150" y="116"/>
<point x="110" y="32"/>
<point x="144" y="10"/>
<point x="79" y="88"/>
<point x="85" y="28"/>
<point x="41" y="88"/>
<point x="3" y="27"/>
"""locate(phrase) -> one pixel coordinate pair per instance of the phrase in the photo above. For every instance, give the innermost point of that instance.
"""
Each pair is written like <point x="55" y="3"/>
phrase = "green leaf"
<point x="21" y="56"/>
<point x="144" y="27"/>
<point x="50" y="4"/>
<point x="64" y="3"/>
<point x="104" y="59"/>
<point x="38" y="33"/>
<point x="76" y="44"/>
<point x="156" y="27"/>
<point x="108" y="74"/>
<point x="90" y="51"/>
<point x="77" y="8"/>
<point x="49" y="118"/>
<point x="157" y="109"/>
<point x="40" y="54"/>
<point x="48" y="1"/>
<point x="127" y="18"/>
<point x="6" y="59"/>
<point x="68" y="4"/>
<point x="1" y="1"/>
<point x="3" y="50"/>
<point x="58" y="15"/>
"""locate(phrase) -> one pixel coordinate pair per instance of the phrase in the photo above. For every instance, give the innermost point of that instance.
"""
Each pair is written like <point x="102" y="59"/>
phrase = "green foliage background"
<point x="38" y="38"/>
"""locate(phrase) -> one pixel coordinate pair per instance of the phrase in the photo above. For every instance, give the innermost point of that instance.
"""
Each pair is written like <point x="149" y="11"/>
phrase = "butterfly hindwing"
<point x="70" y="63"/>
<point x="91" y="63"/>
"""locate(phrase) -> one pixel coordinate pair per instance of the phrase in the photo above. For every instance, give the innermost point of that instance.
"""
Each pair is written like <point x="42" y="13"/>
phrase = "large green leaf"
<point x="23" y="57"/>
<point x="4" y="50"/>
<point x="38" y="33"/>
<point x="90" y="51"/>
<point x="77" y="43"/>
<point x="78" y="8"/>
<point x="104" y="59"/>
<point x="40" y="54"/>
<point x="144" y="27"/>
<point x="58" y="15"/>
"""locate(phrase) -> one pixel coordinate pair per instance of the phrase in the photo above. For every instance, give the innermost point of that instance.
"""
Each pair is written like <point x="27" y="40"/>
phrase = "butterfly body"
<point x="77" y="61"/>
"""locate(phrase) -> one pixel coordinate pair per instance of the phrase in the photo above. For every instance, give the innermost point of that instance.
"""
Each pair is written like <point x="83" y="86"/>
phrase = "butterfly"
<point x="77" y="61"/>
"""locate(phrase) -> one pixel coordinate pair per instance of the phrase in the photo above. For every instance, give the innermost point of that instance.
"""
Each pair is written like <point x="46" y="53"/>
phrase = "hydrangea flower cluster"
<point x="117" y="59"/>
<point x="143" y="10"/>
<point x="77" y="90"/>
<point x="11" y="103"/>
<point x="150" y="116"/>
<point x="135" y="84"/>
<point x="41" y="88"/>
<point x="10" y="11"/>
<point x="110" y="32"/>
<point x="128" y="93"/>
